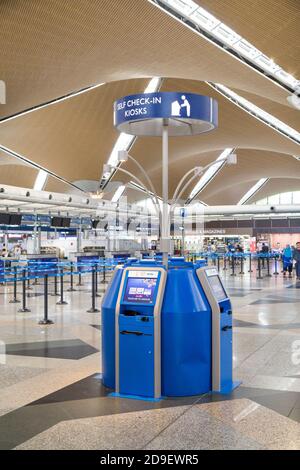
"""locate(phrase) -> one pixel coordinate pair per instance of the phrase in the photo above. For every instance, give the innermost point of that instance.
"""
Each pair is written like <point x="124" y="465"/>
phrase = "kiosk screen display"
<point x="141" y="287"/>
<point x="216" y="285"/>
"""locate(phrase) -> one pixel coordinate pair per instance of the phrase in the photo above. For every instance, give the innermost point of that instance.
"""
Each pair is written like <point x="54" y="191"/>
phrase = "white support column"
<point x="165" y="227"/>
<point x="39" y="240"/>
<point x="78" y="239"/>
<point x="35" y="239"/>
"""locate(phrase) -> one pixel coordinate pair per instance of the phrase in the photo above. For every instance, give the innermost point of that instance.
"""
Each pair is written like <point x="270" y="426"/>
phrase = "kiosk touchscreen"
<point x="138" y="338"/>
<point x="216" y="285"/>
<point x="141" y="287"/>
<point x="221" y="329"/>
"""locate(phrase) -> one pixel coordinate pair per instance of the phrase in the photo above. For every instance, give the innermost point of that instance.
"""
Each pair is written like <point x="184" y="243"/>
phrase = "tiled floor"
<point x="52" y="398"/>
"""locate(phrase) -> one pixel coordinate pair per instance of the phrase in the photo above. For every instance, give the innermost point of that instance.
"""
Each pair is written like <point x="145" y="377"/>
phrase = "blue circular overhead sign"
<point x="144" y="114"/>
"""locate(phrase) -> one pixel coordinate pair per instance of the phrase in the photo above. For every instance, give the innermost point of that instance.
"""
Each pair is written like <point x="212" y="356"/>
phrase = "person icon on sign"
<point x="185" y="107"/>
<point x="181" y="109"/>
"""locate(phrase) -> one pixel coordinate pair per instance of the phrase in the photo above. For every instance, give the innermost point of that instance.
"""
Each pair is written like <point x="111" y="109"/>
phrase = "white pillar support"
<point x="165" y="226"/>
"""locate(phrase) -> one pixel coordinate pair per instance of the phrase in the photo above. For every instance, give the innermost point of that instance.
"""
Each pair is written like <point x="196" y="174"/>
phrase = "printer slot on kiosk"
<point x="138" y="332"/>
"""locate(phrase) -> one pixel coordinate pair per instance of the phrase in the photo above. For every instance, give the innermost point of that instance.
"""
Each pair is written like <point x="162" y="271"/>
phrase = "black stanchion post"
<point x="80" y="279"/>
<point x="35" y="282"/>
<point x="79" y="275"/>
<point x="15" y="300"/>
<point x="250" y="270"/>
<point x="218" y="262"/>
<point x="242" y="265"/>
<point x="71" y="288"/>
<point x="268" y="267"/>
<point x="24" y="308"/>
<point x="232" y="266"/>
<point x="28" y="281"/>
<point x="103" y="274"/>
<point x="45" y="320"/>
<point x="61" y="301"/>
<point x="96" y="280"/>
<point x="93" y="309"/>
<point x="55" y="284"/>
<point x="276" y="266"/>
<point x="259" y="268"/>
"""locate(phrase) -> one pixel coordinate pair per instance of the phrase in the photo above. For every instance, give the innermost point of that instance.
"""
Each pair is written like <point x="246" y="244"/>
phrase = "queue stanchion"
<point x="79" y="280"/>
<point x="61" y="301"/>
<point x="46" y="320"/>
<point x="36" y="271"/>
<point x="79" y="283"/>
<point x="268" y="267"/>
<point x="28" y="280"/>
<point x="242" y="265"/>
<point x="103" y="274"/>
<point x="71" y="288"/>
<point x="232" y="266"/>
<point x="24" y="307"/>
<point x="250" y="270"/>
<point x="15" y="300"/>
<point x="55" y="284"/>
<point x="218" y="263"/>
<point x="35" y="282"/>
<point x="93" y="309"/>
<point x="259" y="268"/>
<point x="276" y="273"/>
<point x="96" y="280"/>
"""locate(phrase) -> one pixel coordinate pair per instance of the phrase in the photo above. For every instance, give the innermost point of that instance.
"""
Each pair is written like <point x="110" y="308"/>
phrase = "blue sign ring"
<point x="145" y="114"/>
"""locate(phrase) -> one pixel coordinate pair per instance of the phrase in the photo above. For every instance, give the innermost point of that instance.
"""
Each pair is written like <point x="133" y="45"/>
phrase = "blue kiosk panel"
<point x="136" y="326"/>
<point x="221" y="329"/>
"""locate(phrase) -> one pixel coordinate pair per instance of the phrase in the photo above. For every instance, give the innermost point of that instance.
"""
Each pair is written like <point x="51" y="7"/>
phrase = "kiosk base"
<point x="134" y="397"/>
<point x="229" y="388"/>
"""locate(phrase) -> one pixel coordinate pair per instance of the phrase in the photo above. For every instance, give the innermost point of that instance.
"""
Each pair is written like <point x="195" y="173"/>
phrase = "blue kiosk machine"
<point x="166" y="324"/>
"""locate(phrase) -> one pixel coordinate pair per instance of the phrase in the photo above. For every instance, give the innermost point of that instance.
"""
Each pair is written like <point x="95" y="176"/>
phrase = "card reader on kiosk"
<point x="138" y="332"/>
<point x="221" y="329"/>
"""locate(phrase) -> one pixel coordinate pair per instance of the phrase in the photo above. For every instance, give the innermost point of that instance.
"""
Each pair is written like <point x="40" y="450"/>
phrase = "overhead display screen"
<point x="141" y="287"/>
<point x="216" y="285"/>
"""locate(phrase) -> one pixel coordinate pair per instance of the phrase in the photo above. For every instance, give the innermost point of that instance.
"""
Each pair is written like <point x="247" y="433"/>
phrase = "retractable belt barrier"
<point x="258" y="262"/>
<point x="15" y="271"/>
<point x="24" y="272"/>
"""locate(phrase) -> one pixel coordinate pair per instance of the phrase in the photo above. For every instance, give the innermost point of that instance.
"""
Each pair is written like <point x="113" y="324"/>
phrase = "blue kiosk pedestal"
<point x="166" y="332"/>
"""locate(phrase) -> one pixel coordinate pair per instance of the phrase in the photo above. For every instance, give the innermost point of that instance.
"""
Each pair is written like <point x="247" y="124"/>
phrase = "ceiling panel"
<point x="272" y="26"/>
<point x="49" y="49"/>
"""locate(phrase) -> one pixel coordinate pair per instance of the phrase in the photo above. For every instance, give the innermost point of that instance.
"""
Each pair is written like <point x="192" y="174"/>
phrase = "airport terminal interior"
<point x="149" y="225"/>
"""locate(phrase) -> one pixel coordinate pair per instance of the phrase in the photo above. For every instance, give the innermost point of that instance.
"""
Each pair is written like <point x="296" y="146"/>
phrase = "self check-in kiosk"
<point x="221" y="312"/>
<point x="138" y="332"/>
<point x="166" y="332"/>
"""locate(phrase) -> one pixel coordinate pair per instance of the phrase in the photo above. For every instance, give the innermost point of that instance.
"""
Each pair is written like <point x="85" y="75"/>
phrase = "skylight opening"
<point x="40" y="181"/>
<point x="120" y="190"/>
<point x="211" y="28"/>
<point x="257" y="112"/>
<point x="255" y="188"/>
<point x="210" y="173"/>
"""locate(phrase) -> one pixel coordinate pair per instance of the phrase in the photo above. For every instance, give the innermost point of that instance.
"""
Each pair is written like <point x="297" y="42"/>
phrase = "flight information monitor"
<point x="141" y="287"/>
<point x="216" y="285"/>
